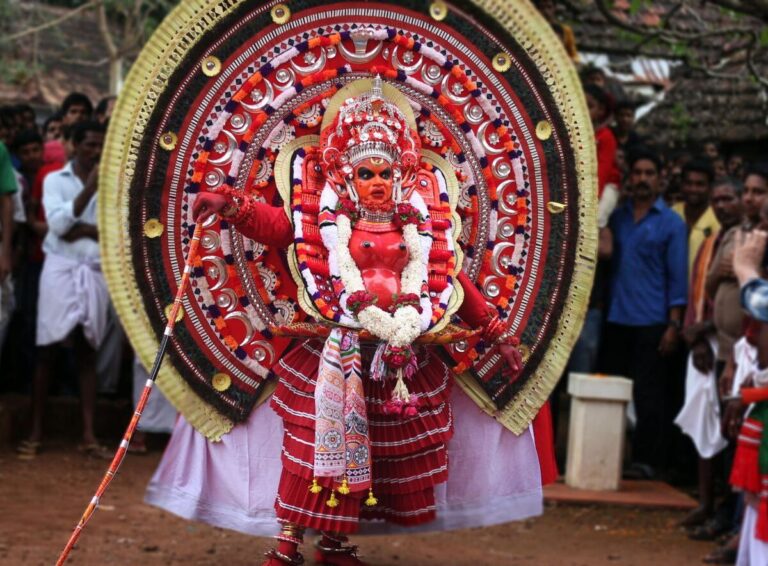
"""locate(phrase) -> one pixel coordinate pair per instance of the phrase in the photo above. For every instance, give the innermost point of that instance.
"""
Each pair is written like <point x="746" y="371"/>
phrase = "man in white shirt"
<point x="73" y="301"/>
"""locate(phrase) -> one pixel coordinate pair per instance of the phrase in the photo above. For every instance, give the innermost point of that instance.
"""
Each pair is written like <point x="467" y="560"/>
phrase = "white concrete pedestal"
<point x="596" y="431"/>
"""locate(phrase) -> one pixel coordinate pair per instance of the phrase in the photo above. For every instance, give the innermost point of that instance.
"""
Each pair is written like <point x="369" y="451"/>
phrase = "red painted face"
<point x="373" y="181"/>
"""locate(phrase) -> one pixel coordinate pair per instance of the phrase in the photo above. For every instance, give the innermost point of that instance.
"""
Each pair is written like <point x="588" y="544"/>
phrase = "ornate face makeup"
<point x="373" y="181"/>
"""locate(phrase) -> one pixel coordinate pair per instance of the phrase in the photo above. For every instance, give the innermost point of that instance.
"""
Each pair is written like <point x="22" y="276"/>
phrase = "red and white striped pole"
<point x="122" y="449"/>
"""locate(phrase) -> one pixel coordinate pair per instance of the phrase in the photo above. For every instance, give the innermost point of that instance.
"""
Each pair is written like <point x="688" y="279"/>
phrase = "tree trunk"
<point x="115" y="75"/>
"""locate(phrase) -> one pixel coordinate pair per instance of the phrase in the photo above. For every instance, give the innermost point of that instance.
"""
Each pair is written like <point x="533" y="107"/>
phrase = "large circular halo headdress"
<point x="226" y="89"/>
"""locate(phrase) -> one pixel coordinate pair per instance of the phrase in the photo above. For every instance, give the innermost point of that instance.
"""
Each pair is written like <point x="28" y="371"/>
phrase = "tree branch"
<point x="52" y="23"/>
<point x="105" y="33"/>
<point x="738" y="47"/>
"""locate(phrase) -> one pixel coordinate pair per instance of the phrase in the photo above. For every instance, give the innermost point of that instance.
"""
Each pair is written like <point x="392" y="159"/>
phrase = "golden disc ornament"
<point x="153" y="228"/>
<point x="280" y="13"/>
<point x="221" y="381"/>
<point x="168" y="141"/>
<point x="211" y="66"/>
<point x="543" y="130"/>
<point x="555" y="207"/>
<point x="179" y="313"/>
<point x="438" y="10"/>
<point x="502" y="62"/>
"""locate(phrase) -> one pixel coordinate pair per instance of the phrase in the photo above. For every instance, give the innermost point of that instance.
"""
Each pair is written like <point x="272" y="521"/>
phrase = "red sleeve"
<point x="267" y="225"/>
<point x="474" y="310"/>
<point x="607" y="171"/>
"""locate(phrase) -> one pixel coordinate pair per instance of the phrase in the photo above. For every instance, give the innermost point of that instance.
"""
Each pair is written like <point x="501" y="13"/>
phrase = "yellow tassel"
<point x="371" y="501"/>
<point x="315" y="488"/>
<point x="344" y="488"/>
<point x="332" y="502"/>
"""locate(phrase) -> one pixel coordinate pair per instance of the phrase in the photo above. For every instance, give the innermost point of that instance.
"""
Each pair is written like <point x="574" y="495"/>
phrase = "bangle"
<point x="676" y="324"/>
<point x="240" y="205"/>
<point x="511" y="341"/>
<point x="495" y="329"/>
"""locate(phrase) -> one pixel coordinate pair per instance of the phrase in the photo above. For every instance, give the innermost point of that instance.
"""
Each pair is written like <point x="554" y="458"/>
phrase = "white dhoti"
<point x="752" y="551"/>
<point x="745" y="358"/>
<point x="700" y="416"/>
<point x="72" y="293"/>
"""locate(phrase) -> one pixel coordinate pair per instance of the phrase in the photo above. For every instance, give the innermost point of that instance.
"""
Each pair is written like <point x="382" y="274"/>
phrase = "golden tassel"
<point x="344" y="488"/>
<point x="371" y="501"/>
<point x="332" y="502"/>
<point x="315" y="487"/>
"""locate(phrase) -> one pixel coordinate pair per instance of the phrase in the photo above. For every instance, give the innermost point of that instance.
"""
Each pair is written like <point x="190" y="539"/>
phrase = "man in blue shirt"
<point x="649" y="288"/>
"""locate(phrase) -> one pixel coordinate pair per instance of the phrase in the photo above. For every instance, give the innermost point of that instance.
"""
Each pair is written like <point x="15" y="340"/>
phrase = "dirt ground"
<point x="41" y="500"/>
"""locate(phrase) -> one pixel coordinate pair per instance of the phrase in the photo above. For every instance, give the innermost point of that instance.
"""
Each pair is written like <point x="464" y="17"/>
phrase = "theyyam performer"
<point x="398" y="236"/>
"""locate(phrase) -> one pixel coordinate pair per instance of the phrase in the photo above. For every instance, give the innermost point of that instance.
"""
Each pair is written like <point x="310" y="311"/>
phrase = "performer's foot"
<point x="277" y="558"/>
<point x="287" y="551"/>
<point x="331" y="551"/>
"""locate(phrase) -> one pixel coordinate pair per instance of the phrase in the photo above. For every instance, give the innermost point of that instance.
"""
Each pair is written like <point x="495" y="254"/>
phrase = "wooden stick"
<point x="114" y="466"/>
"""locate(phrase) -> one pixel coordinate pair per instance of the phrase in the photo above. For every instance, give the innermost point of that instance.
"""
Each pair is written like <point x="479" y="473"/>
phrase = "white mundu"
<point x="72" y="288"/>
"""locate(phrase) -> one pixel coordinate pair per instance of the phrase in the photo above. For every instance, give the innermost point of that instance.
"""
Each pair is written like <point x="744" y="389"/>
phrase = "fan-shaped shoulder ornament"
<point x="230" y="92"/>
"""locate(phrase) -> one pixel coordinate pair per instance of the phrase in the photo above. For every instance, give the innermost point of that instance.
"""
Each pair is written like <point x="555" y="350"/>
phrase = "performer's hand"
<point x="208" y="204"/>
<point x="513" y="358"/>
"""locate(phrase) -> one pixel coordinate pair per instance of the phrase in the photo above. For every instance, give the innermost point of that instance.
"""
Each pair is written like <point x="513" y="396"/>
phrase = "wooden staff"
<point x="122" y="449"/>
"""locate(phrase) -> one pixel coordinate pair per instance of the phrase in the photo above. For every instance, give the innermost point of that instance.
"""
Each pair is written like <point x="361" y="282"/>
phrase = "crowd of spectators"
<point x="56" y="318"/>
<point x="666" y="308"/>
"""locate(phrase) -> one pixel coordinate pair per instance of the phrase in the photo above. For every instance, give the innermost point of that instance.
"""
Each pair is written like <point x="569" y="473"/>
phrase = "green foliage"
<point x="636" y="5"/>
<point x="680" y="49"/>
<point x="629" y="36"/>
<point x="681" y="122"/>
<point x="16" y="72"/>
<point x="8" y="11"/>
<point x="733" y="14"/>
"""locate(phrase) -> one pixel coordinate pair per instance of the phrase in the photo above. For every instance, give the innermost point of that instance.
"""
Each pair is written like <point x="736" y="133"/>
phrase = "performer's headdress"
<point x="370" y="126"/>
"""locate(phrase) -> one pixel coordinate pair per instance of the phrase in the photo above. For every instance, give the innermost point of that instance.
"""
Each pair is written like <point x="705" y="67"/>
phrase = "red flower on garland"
<point x="405" y="300"/>
<point x="349" y="209"/>
<point x="405" y="214"/>
<point x="360" y="300"/>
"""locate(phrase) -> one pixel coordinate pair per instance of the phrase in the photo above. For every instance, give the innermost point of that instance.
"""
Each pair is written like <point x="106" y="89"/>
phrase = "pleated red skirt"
<point x="409" y="454"/>
<point x="746" y="475"/>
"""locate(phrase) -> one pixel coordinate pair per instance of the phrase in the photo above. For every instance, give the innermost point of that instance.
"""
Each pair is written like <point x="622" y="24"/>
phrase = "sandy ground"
<point x="41" y="500"/>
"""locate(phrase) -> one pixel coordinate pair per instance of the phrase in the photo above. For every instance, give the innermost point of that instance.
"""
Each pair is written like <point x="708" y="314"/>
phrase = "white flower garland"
<point x="403" y="326"/>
